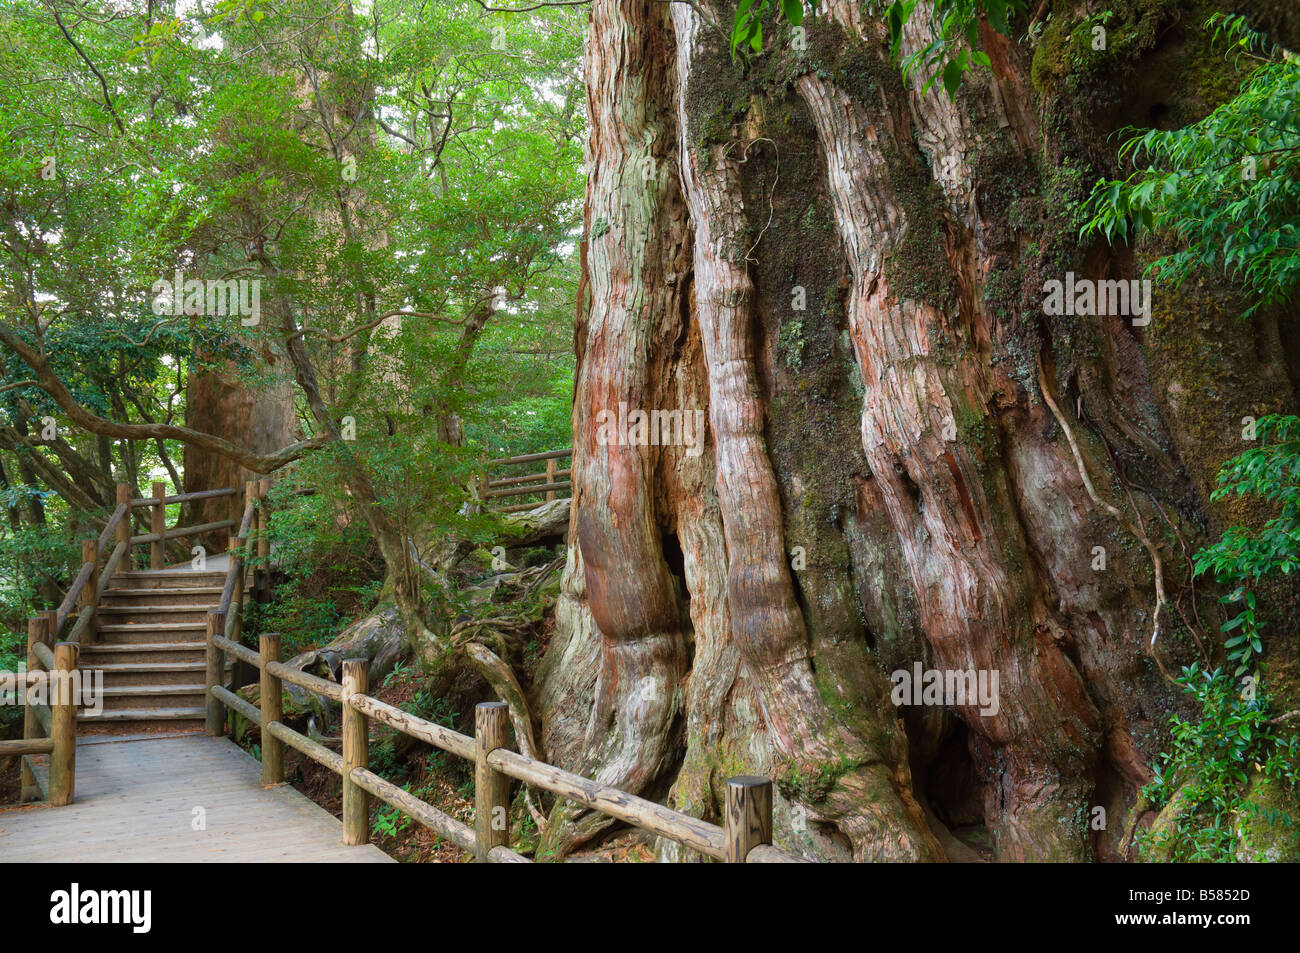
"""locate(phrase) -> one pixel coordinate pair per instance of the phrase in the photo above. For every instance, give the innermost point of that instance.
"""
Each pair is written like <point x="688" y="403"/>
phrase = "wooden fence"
<point x="746" y="836"/>
<point x="52" y="660"/>
<point x="546" y="485"/>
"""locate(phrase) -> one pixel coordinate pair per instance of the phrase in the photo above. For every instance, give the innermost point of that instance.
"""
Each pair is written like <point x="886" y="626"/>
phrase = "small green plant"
<point x="390" y="822"/>
<point x="1243" y="556"/>
<point x="1210" y="765"/>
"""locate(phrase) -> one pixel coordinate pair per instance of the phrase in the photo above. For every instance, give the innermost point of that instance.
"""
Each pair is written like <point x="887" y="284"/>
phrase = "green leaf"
<point x="952" y="78"/>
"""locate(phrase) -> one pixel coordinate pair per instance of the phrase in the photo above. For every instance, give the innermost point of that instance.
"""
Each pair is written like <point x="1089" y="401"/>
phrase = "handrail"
<point x="178" y="531"/>
<point x="746" y="836"/>
<point x="47" y="728"/>
<point x="58" y="720"/>
<point x="531" y="457"/>
<point x="74" y="594"/>
<point x="110" y="528"/>
<point x="550" y="482"/>
<point x="182" y="497"/>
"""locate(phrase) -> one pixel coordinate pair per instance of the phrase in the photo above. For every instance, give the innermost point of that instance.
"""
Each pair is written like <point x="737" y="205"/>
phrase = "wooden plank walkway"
<point x="136" y="800"/>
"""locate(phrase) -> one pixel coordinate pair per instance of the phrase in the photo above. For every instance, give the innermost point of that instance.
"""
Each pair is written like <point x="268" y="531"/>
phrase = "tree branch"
<point x="49" y="382"/>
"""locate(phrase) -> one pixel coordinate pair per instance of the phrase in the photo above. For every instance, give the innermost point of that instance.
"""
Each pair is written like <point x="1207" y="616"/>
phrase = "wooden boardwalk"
<point x="140" y="798"/>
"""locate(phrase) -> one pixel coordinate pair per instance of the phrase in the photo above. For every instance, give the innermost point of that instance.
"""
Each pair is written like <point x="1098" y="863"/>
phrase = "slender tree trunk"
<point x="906" y="463"/>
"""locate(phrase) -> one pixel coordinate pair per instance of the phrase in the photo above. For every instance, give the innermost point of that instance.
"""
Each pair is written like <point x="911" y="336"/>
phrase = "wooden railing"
<point x="745" y="837"/>
<point x="551" y="483"/>
<point x="52" y="661"/>
<point x="50" y="726"/>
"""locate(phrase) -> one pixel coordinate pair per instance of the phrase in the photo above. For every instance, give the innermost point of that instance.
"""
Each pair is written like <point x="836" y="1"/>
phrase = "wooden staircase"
<point x="151" y="649"/>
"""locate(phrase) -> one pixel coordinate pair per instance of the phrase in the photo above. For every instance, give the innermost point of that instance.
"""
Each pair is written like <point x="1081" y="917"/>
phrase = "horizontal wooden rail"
<point x="444" y="825"/>
<point x="313" y="683"/>
<point x="440" y="737"/>
<point x="22" y="746"/>
<point x="178" y="531"/>
<point x="239" y="651"/>
<point x="300" y="742"/>
<point x="182" y="497"/>
<point x="530" y="478"/>
<point x="231" y="700"/>
<point x="531" y="457"/>
<point x="702" y="836"/>
<point x="521" y="490"/>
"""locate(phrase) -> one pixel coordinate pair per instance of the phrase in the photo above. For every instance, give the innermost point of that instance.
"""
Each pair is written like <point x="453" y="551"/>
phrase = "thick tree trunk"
<point x="906" y="461"/>
<point x="262" y="420"/>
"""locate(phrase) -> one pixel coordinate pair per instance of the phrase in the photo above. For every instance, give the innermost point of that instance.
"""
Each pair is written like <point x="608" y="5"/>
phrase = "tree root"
<point x="503" y="681"/>
<point x="1112" y="510"/>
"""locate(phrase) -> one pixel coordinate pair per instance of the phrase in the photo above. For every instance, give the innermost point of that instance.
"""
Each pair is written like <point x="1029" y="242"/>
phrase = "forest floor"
<point x="441" y="780"/>
<point x="10" y="780"/>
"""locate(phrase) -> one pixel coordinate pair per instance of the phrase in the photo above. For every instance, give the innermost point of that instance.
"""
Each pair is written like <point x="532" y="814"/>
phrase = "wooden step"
<point x="113" y="615"/>
<point x="198" y="645"/>
<point x="180" y="596"/>
<point x="153" y="673"/>
<point x="166" y="580"/>
<point x="92" y="655"/>
<point x="142" y="714"/>
<point x="185" y="695"/>
<point x="148" y="632"/>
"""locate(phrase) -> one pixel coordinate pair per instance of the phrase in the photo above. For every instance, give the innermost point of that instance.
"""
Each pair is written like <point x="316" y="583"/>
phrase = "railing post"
<point x="270" y="694"/>
<point x="158" y="526"/>
<point x="216" y="712"/>
<point x="124" y="527"/>
<point x="36" y="628"/>
<point x="491" y="787"/>
<point x="748" y="816"/>
<point x="356" y="754"/>
<point x="90" y="554"/>
<point x="236" y="550"/>
<point x="63" y="724"/>
<point x="262" y="577"/>
<point x="550" y="478"/>
<point x="51" y="630"/>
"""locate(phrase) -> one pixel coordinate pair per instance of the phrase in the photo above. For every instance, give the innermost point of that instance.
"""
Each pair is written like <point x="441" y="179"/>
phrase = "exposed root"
<point x="502" y="679"/>
<point x="1112" y="510"/>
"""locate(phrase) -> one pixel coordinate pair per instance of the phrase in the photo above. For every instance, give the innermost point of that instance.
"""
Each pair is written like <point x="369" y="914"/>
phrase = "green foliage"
<point x="331" y="569"/>
<point x="1214" y="758"/>
<point x="954" y="48"/>
<point x="956" y="45"/>
<point x="1210" y="766"/>
<point x="1226" y="188"/>
<point x="1243" y="556"/>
